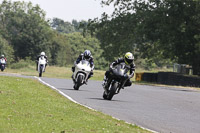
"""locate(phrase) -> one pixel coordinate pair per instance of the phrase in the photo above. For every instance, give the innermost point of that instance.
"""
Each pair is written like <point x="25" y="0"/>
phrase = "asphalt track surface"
<point x="161" y="109"/>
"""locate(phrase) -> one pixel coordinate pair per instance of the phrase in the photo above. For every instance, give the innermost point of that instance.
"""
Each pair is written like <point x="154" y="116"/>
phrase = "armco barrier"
<point x="171" y="78"/>
<point x="150" y="77"/>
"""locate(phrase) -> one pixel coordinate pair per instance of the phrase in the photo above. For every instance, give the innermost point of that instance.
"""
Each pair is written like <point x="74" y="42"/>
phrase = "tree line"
<point x="25" y="32"/>
<point x="160" y="30"/>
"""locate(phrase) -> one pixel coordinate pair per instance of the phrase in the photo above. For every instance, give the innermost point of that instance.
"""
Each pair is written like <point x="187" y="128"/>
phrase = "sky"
<point x="68" y="10"/>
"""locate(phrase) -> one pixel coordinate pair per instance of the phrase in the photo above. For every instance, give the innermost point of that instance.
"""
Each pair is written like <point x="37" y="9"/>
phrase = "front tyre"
<point x="79" y="82"/>
<point x="40" y="73"/>
<point x="2" y="68"/>
<point x="112" y="91"/>
<point x="104" y="95"/>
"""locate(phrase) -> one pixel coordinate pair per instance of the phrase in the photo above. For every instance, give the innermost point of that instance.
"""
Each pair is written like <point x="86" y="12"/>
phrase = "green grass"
<point x="53" y="72"/>
<point x="65" y="72"/>
<point x="27" y="106"/>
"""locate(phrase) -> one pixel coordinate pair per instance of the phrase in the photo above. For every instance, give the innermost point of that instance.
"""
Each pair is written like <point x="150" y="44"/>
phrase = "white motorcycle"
<point x="81" y="73"/>
<point x="2" y="63"/>
<point x="41" y="65"/>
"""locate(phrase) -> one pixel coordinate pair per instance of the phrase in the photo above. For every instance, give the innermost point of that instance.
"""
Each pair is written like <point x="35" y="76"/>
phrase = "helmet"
<point x="87" y="54"/>
<point x="42" y="53"/>
<point x="128" y="58"/>
<point x="2" y="55"/>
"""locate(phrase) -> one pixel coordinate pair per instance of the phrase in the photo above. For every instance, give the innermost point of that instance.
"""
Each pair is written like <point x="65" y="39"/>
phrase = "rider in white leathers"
<point x="85" y="56"/>
<point x="42" y="54"/>
<point x="3" y="57"/>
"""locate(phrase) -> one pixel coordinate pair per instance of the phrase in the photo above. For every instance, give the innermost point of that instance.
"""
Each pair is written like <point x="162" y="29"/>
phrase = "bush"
<point x="22" y="64"/>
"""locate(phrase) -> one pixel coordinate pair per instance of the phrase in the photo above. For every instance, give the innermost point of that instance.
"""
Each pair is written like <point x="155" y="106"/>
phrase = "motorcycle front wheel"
<point x="79" y="82"/>
<point x="40" y="73"/>
<point x="2" y="68"/>
<point x="104" y="95"/>
<point x="112" y="91"/>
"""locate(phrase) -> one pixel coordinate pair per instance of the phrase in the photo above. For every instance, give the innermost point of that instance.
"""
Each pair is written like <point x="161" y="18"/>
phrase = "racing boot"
<point x="73" y="68"/>
<point x="104" y="82"/>
<point x="73" y="78"/>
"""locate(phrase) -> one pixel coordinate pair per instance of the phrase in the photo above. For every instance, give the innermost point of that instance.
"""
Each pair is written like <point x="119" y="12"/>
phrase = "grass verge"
<point x="28" y="106"/>
<point x="53" y="72"/>
<point x="64" y="72"/>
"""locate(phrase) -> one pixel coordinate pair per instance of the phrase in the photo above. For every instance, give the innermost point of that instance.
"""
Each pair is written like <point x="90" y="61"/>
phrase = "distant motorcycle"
<point x="2" y="64"/>
<point x="41" y="65"/>
<point x="81" y="73"/>
<point x="116" y="81"/>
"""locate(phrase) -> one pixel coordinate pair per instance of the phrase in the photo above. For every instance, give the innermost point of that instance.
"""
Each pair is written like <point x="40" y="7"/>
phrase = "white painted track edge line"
<point x="71" y="99"/>
<point x="68" y="97"/>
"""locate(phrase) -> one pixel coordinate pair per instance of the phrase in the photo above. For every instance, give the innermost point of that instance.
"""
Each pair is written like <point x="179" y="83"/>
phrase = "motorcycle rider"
<point x="128" y="60"/>
<point x="37" y="60"/>
<point x="3" y="57"/>
<point x="86" y="55"/>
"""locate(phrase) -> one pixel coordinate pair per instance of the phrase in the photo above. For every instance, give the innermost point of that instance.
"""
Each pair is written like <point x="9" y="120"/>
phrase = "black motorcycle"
<point x="116" y="81"/>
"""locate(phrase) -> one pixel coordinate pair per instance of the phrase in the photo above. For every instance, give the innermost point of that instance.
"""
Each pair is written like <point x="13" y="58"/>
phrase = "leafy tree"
<point x="115" y="35"/>
<point x="25" y="28"/>
<point x="79" y="44"/>
<point x="60" y="51"/>
<point x="24" y="33"/>
<point x="6" y="50"/>
<point x="70" y="45"/>
<point x="79" y="25"/>
<point x="61" y="26"/>
<point x="157" y="28"/>
<point x="66" y="27"/>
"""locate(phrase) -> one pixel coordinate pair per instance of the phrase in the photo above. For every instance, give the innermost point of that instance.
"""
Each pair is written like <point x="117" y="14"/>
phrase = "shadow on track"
<point x="106" y="100"/>
<point x="177" y="89"/>
<point x="71" y="89"/>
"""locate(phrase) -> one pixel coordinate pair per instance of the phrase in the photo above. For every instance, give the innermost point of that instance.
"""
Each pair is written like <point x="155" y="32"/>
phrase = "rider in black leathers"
<point x="128" y="60"/>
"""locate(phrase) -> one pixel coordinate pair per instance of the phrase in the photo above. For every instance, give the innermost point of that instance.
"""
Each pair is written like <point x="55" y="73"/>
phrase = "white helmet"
<point x="128" y="58"/>
<point x="42" y="53"/>
<point x="2" y="55"/>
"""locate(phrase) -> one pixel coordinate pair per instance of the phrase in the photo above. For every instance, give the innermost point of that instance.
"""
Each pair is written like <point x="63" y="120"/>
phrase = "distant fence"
<point x="169" y="78"/>
<point x="183" y="69"/>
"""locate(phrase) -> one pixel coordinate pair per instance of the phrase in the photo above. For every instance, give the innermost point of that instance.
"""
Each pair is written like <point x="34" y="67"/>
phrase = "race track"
<point x="162" y="109"/>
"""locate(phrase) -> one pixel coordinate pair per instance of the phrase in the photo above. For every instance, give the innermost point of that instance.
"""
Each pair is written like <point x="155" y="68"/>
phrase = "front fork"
<point x="109" y="85"/>
<point x="120" y="85"/>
